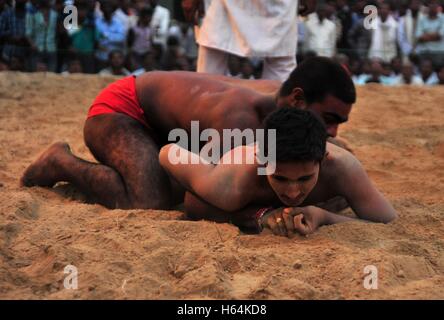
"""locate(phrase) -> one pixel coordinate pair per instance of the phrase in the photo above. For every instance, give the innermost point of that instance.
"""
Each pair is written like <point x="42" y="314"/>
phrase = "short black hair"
<point x="300" y="135"/>
<point x="319" y="77"/>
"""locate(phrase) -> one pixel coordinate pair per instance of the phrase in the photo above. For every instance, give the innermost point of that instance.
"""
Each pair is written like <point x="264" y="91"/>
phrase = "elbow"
<point x="163" y="157"/>
<point x="392" y="216"/>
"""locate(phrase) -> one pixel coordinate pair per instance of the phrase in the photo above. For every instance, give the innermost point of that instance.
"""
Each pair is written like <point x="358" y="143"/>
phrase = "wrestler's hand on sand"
<point x="287" y="221"/>
<point x="193" y="10"/>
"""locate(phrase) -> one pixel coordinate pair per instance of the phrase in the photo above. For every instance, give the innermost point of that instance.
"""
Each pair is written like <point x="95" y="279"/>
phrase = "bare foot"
<point x="44" y="171"/>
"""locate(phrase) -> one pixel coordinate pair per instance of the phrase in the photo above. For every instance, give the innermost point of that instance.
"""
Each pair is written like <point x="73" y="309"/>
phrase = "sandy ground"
<point x="398" y="133"/>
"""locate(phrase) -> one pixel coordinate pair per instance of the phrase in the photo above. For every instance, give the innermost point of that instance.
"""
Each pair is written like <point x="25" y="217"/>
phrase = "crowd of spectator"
<point x="402" y="44"/>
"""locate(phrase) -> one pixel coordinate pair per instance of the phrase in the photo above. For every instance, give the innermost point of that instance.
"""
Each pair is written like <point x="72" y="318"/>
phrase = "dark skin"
<point x="129" y="174"/>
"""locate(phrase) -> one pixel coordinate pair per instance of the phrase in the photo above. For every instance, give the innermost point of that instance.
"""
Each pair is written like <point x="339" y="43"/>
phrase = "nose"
<point x="293" y="192"/>
<point x="332" y="130"/>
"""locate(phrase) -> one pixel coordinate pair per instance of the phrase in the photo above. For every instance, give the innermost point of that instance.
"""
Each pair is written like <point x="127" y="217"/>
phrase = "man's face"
<point x="407" y="71"/>
<point x="384" y="11"/>
<point x="426" y="69"/>
<point x="117" y="60"/>
<point x="293" y="181"/>
<point x="332" y="111"/>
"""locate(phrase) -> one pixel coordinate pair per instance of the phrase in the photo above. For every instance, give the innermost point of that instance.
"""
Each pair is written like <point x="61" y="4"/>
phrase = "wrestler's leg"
<point x="129" y="175"/>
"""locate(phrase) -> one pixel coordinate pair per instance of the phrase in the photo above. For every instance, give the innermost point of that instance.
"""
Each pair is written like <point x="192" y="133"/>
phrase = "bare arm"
<point x="365" y="199"/>
<point x="221" y="185"/>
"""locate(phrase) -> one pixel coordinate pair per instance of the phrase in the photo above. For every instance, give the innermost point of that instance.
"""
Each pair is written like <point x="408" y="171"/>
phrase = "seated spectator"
<point x="3" y="65"/>
<point x="376" y="71"/>
<point x="74" y="66"/>
<point x="116" y="61"/>
<point x="247" y="69"/>
<point x="234" y="66"/>
<point x="388" y="77"/>
<point x="149" y="64"/>
<point x="174" y="57"/>
<point x="110" y="31"/>
<point x="441" y="76"/>
<point x="396" y="66"/>
<point x="408" y="76"/>
<point x="428" y="76"/>
<point x="140" y="36"/>
<point x="41" y="33"/>
<point x="17" y="63"/>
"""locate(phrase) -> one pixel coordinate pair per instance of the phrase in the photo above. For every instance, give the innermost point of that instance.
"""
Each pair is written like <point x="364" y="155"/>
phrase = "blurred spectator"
<point x="63" y="40"/>
<point x="126" y="14"/>
<point x="384" y="41"/>
<point x="247" y="70"/>
<point x="430" y="35"/>
<point x="344" y="15"/>
<point x="428" y="76"/>
<point x="17" y="63"/>
<point x="408" y="76"/>
<point x="441" y="75"/>
<point x="174" y="58"/>
<point x="74" y="66"/>
<point x="359" y="37"/>
<point x="148" y="64"/>
<point x="13" y="41"/>
<point x="3" y="64"/>
<point x="41" y="29"/>
<point x="407" y="26"/>
<point x="396" y="66"/>
<point x="111" y="33"/>
<point x="320" y="33"/>
<point x="83" y="38"/>
<point x="140" y="36"/>
<point x="185" y="34"/>
<point x="375" y="72"/>
<point x="116" y="61"/>
<point x="160" y="23"/>
<point x="234" y="66"/>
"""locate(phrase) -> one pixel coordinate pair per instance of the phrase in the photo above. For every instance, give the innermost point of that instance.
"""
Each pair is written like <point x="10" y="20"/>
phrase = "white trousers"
<point x="216" y="62"/>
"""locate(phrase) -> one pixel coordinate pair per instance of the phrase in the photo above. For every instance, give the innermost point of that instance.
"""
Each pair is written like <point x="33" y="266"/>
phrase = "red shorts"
<point x="120" y="97"/>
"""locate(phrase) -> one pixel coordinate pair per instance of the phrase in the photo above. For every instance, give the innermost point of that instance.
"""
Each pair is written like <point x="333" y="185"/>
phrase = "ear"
<point x="297" y="98"/>
<point x="325" y="157"/>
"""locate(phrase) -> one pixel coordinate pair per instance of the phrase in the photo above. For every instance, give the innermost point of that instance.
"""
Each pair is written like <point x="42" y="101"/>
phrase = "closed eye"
<point x="280" y="178"/>
<point x="305" y="178"/>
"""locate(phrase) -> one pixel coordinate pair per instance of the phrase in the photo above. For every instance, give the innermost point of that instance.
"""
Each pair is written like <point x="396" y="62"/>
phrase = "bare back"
<point x="174" y="99"/>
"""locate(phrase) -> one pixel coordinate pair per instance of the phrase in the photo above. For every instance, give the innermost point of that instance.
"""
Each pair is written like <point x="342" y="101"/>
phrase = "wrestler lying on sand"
<point x="307" y="171"/>
<point x="131" y="118"/>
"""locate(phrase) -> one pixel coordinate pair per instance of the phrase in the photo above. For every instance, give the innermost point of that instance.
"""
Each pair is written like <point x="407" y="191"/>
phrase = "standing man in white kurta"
<point x="249" y="28"/>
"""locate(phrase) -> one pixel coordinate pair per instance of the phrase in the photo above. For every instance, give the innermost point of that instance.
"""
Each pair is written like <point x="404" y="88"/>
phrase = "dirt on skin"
<point x="397" y="133"/>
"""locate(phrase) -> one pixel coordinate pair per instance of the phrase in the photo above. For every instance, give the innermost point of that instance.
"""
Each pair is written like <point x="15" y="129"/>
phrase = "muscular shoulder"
<point x="340" y="166"/>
